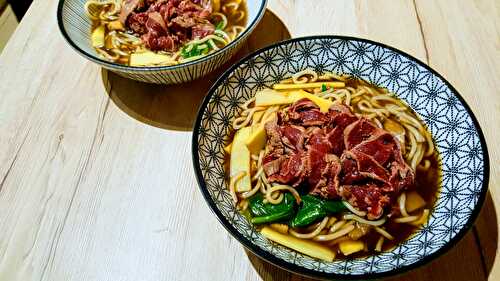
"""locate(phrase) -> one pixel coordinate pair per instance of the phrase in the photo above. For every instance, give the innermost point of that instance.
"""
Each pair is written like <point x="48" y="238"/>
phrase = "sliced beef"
<point x="156" y="25"/>
<point x="340" y="108"/>
<point x="164" y="25"/>
<point x="364" y="167"/>
<point x="272" y="167"/>
<point x="358" y="132"/>
<point x="342" y="120"/>
<point x="274" y="144"/>
<point x="160" y="6"/>
<point x="302" y="105"/>
<point x="367" y="197"/>
<point x="336" y="155"/>
<point x="137" y="22"/>
<point x="318" y="140"/>
<point x="291" y="170"/>
<point x="193" y="9"/>
<point x="128" y="6"/>
<point x="316" y="165"/>
<point x="401" y="178"/>
<point x="336" y="136"/>
<point x="206" y="4"/>
<point x="202" y="30"/>
<point x="164" y="43"/>
<point x="183" y="22"/>
<point x="305" y="113"/>
<point x="381" y="147"/>
<point x="350" y="171"/>
<point x="373" y="161"/>
<point x="328" y="184"/>
<point x="293" y="136"/>
<point x="312" y="117"/>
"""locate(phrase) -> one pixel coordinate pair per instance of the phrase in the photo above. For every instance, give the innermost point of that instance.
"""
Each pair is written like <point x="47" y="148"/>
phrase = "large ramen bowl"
<point x="456" y="133"/>
<point x="75" y="26"/>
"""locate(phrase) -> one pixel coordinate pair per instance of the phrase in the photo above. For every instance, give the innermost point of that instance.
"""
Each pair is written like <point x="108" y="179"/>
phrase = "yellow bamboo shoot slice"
<point x="240" y="159"/>
<point x="257" y="139"/>
<point x="268" y="97"/>
<point x="148" y="58"/>
<point x="308" y="85"/>
<point x="115" y="25"/>
<point x="306" y="247"/>
<point x="348" y="247"/>
<point x="323" y="104"/>
<point x="97" y="37"/>
<point x="413" y="201"/>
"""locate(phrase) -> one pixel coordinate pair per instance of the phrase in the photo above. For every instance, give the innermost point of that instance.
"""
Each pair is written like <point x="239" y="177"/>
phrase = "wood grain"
<point x="89" y="190"/>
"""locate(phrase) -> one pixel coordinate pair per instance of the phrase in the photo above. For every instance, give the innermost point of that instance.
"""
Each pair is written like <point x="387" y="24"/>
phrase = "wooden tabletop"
<point x="96" y="178"/>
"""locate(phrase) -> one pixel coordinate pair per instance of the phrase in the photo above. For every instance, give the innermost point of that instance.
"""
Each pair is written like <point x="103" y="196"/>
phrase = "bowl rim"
<point x="137" y="69"/>
<point x="309" y="272"/>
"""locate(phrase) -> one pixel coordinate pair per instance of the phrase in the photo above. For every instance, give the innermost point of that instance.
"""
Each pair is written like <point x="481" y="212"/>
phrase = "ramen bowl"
<point x="463" y="163"/>
<point x="75" y="27"/>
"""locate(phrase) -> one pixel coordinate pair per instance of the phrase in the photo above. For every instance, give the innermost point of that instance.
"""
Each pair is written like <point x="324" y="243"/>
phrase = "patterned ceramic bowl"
<point x="75" y="27"/>
<point x="464" y="157"/>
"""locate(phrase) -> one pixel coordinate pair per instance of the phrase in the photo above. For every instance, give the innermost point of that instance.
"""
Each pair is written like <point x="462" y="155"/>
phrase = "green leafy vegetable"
<point x="323" y="87"/>
<point x="333" y="206"/>
<point x="266" y="212"/>
<point x="219" y="25"/>
<point x="314" y="209"/>
<point x="194" y="51"/>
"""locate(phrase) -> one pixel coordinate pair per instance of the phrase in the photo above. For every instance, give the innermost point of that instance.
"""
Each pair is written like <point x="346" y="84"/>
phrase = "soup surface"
<point x="332" y="166"/>
<point x="163" y="32"/>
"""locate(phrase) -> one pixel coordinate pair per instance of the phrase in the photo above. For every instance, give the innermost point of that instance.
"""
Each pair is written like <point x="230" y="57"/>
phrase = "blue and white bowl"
<point x="456" y="132"/>
<point x="75" y="27"/>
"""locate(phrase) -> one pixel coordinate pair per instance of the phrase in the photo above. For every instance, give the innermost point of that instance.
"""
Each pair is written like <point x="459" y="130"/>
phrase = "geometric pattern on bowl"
<point x="75" y="27"/>
<point x="457" y="136"/>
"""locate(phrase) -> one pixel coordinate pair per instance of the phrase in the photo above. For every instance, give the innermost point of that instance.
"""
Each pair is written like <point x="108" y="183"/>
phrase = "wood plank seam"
<point x="422" y="34"/>
<point x="13" y="161"/>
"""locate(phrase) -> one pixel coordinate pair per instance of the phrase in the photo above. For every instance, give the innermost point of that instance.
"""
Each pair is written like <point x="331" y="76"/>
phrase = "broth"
<point x="359" y="96"/>
<point x="168" y="40"/>
<point x="427" y="185"/>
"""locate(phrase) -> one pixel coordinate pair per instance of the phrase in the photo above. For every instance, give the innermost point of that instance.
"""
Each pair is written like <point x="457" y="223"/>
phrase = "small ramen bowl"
<point x="464" y="164"/>
<point x="75" y="27"/>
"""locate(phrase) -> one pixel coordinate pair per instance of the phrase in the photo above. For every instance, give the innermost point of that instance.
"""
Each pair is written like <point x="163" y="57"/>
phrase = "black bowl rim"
<point x="305" y="271"/>
<point x="138" y="69"/>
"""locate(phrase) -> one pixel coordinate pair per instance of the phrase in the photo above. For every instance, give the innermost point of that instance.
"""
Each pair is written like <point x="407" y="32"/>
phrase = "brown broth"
<point x="232" y="20"/>
<point x="427" y="184"/>
<point x="241" y="8"/>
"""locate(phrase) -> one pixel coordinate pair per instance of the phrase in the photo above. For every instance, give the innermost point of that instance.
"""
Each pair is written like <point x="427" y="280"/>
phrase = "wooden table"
<point x="96" y="179"/>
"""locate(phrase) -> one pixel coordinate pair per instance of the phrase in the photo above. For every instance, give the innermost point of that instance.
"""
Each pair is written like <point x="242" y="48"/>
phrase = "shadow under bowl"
<point x="174" y="107"/>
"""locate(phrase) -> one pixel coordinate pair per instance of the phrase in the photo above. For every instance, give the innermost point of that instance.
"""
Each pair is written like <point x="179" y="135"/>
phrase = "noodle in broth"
<point x="116" y="42"/>
<point x="350" y="227"/>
